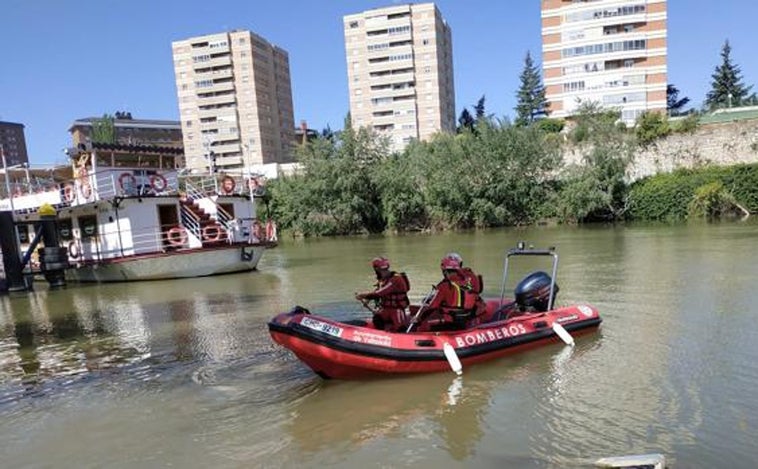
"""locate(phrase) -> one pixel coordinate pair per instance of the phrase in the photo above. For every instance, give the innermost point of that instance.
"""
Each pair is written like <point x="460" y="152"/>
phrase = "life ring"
<point x="73" y="250"/>
<point x="257" y="231"/>
<point x="212" y="233"/>
<point x="85" y="189"/>
<point x="228" y="184"/>
<point x="158" y="182"/>
<point x="127" y="176"/>
<point x="69" y="192"/>
<point x="177" y="236"/>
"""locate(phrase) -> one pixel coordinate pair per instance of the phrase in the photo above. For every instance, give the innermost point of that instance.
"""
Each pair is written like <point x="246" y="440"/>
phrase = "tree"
<point x="465" y="121"/>
<point x="103" y="130"/>
<point x="479" y="109"/>
<point x="531" y="94"/>
<point x="727" y="88"/>
<point x="674" y="105"/>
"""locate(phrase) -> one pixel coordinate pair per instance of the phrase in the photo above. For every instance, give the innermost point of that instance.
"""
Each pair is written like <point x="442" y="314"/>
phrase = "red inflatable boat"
<point x="355" y="349"/>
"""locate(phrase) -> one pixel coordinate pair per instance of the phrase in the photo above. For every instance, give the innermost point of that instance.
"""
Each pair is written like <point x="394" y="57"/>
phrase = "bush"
<point x="550" y="125"/>
<point x="711" y="200"/>
<point x="668" y="197"/>
<point x="650" y="127"/>
<point x="688" y="124"/>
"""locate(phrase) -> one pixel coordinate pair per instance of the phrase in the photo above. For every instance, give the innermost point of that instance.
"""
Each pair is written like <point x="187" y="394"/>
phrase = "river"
<point x="183" y="373"/>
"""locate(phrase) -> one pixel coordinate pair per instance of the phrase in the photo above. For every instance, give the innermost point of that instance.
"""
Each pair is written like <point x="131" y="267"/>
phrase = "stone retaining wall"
<point x="721" y="144"/>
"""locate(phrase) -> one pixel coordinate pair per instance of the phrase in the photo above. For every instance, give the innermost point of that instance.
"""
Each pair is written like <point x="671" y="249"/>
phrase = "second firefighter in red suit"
<point x="456" y="303"/>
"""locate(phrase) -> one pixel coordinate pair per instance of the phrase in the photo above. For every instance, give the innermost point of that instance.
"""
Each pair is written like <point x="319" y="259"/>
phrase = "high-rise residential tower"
<point x="612" y="52"/>
<point x="13" y="143"/>
<point x="400" y="71"/>
<point x="235" y="101"/>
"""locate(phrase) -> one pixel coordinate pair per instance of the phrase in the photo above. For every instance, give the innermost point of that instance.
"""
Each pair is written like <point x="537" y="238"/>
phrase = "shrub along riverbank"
<point x="497" y="174"/>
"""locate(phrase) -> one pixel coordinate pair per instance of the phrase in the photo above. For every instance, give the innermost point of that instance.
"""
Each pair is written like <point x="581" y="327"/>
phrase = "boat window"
<point x="64" y="229"/>
<point x="104" y="159"/>
<point x="23" y="233"/>
<point x="88" y="225"/>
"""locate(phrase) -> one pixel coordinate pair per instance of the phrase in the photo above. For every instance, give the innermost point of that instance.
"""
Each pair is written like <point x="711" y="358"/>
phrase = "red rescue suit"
<point x="391" y="294"/>
<point x="456" y="304"/>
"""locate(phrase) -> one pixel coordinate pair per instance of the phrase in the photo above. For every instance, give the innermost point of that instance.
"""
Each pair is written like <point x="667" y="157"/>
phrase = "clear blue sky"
<point x="63" y="59"/>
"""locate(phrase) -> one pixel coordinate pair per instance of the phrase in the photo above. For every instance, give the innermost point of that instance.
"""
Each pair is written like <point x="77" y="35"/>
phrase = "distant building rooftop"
<point x="10" y="123"/>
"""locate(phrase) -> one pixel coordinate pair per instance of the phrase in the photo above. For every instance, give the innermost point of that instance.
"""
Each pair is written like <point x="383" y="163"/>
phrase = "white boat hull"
<point x="178" y="264"/>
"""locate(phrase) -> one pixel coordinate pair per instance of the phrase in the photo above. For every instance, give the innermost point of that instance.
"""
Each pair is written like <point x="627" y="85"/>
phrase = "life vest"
<point x="398" y="299"/>
<point x="469" y="280"/>
<point x="464" y="300"/>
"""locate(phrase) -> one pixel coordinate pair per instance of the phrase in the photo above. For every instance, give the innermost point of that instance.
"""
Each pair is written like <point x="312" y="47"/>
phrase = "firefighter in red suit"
<point x="390" y="294"/>
<point x="455" y="303"/>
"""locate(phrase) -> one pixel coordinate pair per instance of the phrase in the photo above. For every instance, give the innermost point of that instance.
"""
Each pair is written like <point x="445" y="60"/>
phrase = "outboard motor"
<point x="533" y="292"/>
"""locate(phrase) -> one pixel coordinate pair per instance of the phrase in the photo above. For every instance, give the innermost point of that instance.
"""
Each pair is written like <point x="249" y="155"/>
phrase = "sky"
<point x="63" y="60"/>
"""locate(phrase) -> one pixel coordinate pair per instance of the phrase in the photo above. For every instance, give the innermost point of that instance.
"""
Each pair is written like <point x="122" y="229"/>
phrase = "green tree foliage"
<point x="531" y="101"/>
<point x="551" y="125"/>
<point x="671" y="196"/>
<point x="336" y="193"/>
<point x="103" y="130"/>
<point x="479" y="109"/>
<point x="711" y="200"/>
<point x="687" y="124"/>
<point x="597" y="189"/>
<point x="674" y="104"/>
<point x="651" y="126"/>
<point x="465" y="121"/>
<point x="498" y="177"/>
<point x="727" y="88"/>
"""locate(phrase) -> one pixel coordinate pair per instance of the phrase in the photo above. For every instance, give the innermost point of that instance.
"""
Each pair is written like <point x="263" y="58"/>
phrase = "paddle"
<point x="426" y="302"/>
<point x="365" y="304"/>
<point x="452" y="358"/>
<point x="563" y="334"/>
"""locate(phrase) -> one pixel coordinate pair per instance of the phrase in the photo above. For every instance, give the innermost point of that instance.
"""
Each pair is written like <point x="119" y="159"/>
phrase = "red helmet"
<point x="451" y="261"/>
<point x="380" y="263"/>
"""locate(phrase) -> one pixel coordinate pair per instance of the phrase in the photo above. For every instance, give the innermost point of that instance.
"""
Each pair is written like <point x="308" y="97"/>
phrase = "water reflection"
<point x="54" y="338"/>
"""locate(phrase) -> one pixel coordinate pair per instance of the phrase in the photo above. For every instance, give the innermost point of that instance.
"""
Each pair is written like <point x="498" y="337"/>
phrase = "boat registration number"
<point x="321" y="326"/>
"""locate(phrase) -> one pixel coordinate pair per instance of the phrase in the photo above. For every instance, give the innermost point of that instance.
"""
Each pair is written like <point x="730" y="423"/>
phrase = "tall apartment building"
<point x="400" y="71"/>
<point x="235" y="100"/>
<point x="13" y="143"/>
<point x="612" y="52"/>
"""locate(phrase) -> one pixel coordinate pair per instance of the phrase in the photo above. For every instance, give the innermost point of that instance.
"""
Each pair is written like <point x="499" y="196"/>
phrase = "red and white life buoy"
<point x="73" y="250"/>
<point x="212" y="233"/>
<point x="158" y="182"/>
<point x="69" y="192"/>
<point x="124" y="185"/>
<point x="177" y="236"/>
<point x="228" y="184"/>
<point x="85" y="189"/>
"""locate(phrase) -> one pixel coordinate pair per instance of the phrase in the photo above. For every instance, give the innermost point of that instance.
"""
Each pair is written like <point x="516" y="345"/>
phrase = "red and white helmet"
<point x="451" y="261"/>
<point x="380" y="263"/>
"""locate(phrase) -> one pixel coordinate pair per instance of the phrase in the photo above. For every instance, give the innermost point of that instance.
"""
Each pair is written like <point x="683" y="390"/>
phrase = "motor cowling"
<point x="533" y="292"/>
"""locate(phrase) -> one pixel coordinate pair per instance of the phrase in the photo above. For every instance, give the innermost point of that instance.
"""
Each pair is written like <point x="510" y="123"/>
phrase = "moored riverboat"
<point x="355" y="349"/>
<point x="128" y="212"/>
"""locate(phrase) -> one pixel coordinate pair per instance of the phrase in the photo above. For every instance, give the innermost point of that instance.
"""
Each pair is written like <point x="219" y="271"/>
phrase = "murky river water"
<point x="183" y="373"/>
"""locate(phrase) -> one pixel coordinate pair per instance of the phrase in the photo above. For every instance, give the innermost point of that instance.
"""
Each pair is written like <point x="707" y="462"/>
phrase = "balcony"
<point x="213" y="100"/>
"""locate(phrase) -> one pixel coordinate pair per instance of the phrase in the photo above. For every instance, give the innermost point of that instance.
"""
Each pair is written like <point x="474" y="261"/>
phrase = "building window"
<point x="425" y="42"/>
<point x="353" y="24"/>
